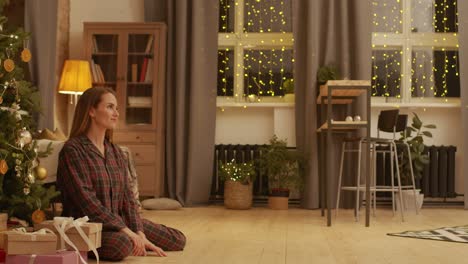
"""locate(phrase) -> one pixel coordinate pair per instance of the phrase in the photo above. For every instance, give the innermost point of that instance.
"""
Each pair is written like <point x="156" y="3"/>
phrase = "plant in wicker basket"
<point x="238" y="179"/>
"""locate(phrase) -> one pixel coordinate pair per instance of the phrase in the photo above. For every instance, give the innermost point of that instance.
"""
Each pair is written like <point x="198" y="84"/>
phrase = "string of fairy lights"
<point x="432" y="67"/>
<point x="265" y="69"/>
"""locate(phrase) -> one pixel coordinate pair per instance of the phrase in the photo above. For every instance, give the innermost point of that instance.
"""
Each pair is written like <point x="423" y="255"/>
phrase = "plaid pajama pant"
<point x="116" y="246"/>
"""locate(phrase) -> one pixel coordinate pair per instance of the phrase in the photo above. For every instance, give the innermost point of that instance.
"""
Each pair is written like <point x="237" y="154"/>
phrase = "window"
<point x="415" y="51"/>
<point x="255" y="45"/>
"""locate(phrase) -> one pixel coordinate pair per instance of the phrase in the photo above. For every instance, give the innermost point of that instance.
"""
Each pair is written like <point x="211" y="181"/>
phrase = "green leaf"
<point x="416" y="121"/>
<point x="427" y="133"/>
<point x="430" y="126"/>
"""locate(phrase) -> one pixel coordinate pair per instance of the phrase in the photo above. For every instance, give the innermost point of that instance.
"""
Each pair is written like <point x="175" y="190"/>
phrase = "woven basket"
<point x="237" y="195"/>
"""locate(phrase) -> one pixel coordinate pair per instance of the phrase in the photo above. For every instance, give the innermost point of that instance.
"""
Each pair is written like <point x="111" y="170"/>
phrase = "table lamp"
<point x="75" y="79"/>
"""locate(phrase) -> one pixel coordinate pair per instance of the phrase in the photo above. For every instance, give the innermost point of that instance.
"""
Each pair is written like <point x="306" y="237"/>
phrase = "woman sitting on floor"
<point x="92" y="178"/>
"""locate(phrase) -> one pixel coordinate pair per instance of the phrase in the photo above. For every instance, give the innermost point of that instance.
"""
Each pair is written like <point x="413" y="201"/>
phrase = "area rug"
<point x="450" y="234"/>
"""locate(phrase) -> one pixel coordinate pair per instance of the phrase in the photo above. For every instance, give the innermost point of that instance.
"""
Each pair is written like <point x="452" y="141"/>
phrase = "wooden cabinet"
<point x="130" y="58"/>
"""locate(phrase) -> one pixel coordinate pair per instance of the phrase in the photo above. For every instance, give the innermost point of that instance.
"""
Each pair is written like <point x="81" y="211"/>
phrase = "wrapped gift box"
<point x="92" y="230"/>
<point x="27" y="243"/>
<point x="3" y="221"/>
<point x="62" y="257"/>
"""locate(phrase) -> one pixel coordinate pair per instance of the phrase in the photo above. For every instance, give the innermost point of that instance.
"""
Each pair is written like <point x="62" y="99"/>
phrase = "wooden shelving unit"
<point x="340" y="92"/>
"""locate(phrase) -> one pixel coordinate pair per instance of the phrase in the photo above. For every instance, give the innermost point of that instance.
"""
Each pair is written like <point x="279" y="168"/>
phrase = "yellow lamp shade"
<point x="76" y="77"/>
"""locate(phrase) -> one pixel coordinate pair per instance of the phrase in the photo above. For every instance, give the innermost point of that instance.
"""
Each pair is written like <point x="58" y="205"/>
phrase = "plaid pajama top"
<point x="96" y="186"/>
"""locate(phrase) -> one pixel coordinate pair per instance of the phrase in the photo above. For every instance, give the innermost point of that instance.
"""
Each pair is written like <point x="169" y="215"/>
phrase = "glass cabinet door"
<point x="104" y="60"/>
<point x="139" y="86"/>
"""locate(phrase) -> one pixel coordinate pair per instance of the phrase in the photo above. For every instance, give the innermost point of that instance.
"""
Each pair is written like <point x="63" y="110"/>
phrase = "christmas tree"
<point x="22" y="194"/>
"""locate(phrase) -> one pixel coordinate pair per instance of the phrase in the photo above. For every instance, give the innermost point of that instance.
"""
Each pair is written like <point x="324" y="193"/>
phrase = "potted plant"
<point x="414" y="136"/>
<point x="281" y="165"/>
<point x="288" y="89"/>
<point x="325" y="73"/>
<point x="238" y="179"/>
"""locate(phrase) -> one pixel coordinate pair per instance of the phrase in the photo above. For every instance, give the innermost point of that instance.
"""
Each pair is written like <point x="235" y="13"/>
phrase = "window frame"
<point x="239" y="41"/>
<point x="408" y="41"/>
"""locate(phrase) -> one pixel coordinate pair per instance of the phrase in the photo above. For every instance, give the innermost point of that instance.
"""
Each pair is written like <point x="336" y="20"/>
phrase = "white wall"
<point x="99" y="11"/>
<point x="255" y="125"/>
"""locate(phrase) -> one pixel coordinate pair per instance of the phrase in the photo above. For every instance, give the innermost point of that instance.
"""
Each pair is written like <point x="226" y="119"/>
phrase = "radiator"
<point x="240" y="153"/>
<point x="438" y="177"/>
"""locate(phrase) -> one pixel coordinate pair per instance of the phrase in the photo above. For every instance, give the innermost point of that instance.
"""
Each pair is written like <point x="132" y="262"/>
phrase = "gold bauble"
<point x="41" y="173"/>
<point x="9" y="65"/>
<point x="26" y="55"/>
<point x="38" y="216"/>
<point x="3" y="166"/>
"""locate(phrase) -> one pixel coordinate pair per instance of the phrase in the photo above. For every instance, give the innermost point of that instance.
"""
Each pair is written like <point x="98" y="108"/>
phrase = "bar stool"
<point x="389" y="121"/>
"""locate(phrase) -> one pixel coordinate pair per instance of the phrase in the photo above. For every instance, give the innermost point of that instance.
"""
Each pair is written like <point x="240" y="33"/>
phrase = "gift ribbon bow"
<point x="33" y="235"/>
<point x="62" y="224"/>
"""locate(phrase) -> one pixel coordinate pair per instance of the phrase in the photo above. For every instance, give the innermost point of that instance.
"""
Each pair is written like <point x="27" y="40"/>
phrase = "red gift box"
<point x="2" y="256"/>
<point x="62" y="257"/>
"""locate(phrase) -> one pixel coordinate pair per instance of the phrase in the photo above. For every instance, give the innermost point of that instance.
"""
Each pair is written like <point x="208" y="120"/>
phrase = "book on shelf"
<point x="139" y="101"/>
<point x="149" y="71"/>
<point x="149" y="44"/>
<point x="100" y="74"/>
<point x="95" y="45"/>
<point x="134" y="72"/>
<point x="143" y="70"/>
<point x="94" y="71"/>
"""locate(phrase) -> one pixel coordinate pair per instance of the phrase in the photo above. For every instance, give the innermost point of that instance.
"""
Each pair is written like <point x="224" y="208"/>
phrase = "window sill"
<point x="416" y="103"/>
<point x="266" y="102"/>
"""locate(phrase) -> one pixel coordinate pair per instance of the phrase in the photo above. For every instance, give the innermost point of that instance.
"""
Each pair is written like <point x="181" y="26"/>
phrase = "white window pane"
<point x="226" y="16"/>
<point x="387" y="16"/>
<point x="434" y="16"/>
<point x="386" y="72"/>
<point x="225" y="72"/>
<point x="266" y="70"/>
<point x="435" y="73"/>
<point x="267" y="16"/>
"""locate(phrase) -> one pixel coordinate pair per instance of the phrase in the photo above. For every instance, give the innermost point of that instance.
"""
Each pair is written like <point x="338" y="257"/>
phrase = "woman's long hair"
<point x="81" y="119"/>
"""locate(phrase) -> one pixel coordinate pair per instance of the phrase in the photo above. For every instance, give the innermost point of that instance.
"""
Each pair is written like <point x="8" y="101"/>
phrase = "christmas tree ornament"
<point x="41" y="173"/>
<point x="3" y="166"/>
<point x="38" y="216"/>
<point x="34" y="164"/>
<point x="30" y="178"/>
<point x="9" y="65"/>
<point x="26" y="55"/>
<point x="25" y="136"/>
<point x="26" y="190"/>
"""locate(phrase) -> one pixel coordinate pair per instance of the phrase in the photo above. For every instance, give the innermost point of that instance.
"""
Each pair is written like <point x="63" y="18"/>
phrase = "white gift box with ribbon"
<point x="78" y="234"/>
<point x="18" y="241"/>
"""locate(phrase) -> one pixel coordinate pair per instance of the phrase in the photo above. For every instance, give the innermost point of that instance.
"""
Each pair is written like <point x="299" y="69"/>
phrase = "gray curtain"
<point x="41" y="21"/>
<point x="190" y="95"/>
<point x="463" y="54"/>
<point x="334" y="32"/>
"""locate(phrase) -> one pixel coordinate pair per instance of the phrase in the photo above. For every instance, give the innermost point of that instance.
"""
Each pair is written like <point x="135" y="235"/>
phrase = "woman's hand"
<point x="150" y="246"/>
<point x="138" y="242"/>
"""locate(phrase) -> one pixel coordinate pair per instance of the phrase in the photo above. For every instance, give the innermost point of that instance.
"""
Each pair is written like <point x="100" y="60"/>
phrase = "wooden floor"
<point x="217" y="235"/>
